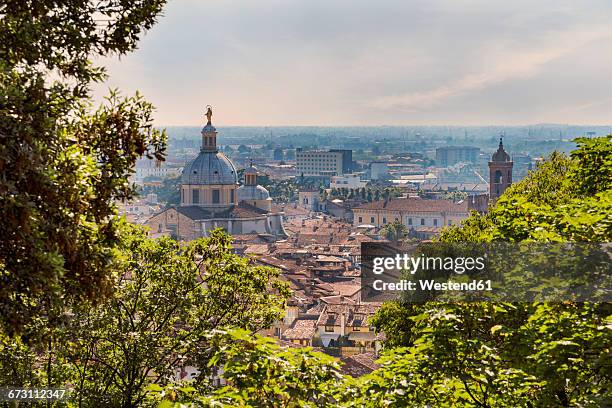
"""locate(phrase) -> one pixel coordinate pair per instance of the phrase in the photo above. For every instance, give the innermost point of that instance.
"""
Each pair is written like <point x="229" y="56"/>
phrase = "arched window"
<point x="497" y="178"/>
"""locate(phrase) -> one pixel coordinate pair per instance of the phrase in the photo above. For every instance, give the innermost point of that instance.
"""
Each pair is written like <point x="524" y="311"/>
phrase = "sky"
<point x="377" y="62"/>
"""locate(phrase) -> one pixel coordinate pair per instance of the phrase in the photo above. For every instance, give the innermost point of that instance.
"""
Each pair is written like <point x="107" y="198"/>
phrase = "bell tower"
<point x="500" y="172"/>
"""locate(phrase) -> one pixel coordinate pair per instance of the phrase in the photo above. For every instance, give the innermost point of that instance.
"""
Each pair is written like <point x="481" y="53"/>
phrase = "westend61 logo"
<point x="412" y="265"/>
<point x="515" y="272"/>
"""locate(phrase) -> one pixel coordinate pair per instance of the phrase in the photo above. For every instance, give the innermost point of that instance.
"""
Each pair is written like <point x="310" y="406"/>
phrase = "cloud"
<point x="500" y="62"/>
<point x="344" y="62"/>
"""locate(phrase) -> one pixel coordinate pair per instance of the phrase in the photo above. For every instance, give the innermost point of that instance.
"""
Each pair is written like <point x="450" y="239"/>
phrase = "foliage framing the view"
<point x="169" y="298"/>
<point x="63" y="165"/>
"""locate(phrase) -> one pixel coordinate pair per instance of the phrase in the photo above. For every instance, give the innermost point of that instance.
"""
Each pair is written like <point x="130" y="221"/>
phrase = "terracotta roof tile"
<point x="301" y="329"/>
<point x="416" y="205"/>
<point x="244" y="210"/>
<point x="359" y="364"/>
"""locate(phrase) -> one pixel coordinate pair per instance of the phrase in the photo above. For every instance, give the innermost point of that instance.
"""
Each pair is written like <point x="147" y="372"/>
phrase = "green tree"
<point x="593" y="174"/>
<point x="168" y="298"/>
<point x="324" y="195"/>
<point x="62" y="166"/>
<point x="169" y="192"/>
<point x="491" y="354"/>
<point x="262" y="374"/>
<point x="395" y="231"/>
<point x="281" y="191"/>
<point x="363" y="193"/>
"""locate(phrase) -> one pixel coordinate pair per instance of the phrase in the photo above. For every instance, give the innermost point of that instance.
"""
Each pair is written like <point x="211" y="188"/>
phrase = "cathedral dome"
<point x="210" y="168"/>
<point x="250" y="193"/>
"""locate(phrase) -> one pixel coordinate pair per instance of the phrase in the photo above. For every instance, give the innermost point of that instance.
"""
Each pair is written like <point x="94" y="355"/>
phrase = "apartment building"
<point x="327" y="163"/>
<point x="450" y="155"/>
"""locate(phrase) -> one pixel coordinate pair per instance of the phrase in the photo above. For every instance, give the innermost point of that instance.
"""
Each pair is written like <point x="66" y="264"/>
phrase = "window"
<point x="435" y="222"/>
<point x="360" y="219"/>
<point x="232" y="196"/>
<point x="384" y="220"/>
<point x="450" y="222"/>
<point x="497" y="178"/>
<point x="409" y="221"/>
<point x="195" y="196"/>
<point x="216" y="197"/>
<point x="422" y="221"/>
<point x="372" y="220"/>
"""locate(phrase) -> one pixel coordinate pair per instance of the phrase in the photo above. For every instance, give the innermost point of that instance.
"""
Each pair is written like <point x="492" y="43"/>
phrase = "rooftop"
<point x="416" y="205"/>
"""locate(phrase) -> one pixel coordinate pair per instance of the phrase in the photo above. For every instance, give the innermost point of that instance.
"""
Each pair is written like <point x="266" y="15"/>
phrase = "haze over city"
<point x="270" y="63"/>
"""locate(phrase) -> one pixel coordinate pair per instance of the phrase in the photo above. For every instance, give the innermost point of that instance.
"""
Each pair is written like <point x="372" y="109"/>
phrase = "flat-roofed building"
<point x="449" y="155"/>
<point x="347" y="181"/>
<point x="319" y="163"/>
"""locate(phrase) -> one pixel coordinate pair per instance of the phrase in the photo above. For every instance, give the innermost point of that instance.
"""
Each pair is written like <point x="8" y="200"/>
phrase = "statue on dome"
<point x="208" y="114"/>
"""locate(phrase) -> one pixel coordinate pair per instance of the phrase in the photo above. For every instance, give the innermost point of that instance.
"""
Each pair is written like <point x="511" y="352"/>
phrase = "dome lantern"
<point x="209" y="133"/>
<point x="250" y="175"/>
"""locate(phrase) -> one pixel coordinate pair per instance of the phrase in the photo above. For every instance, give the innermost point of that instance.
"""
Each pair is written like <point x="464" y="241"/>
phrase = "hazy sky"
<point x="355" y="62"/>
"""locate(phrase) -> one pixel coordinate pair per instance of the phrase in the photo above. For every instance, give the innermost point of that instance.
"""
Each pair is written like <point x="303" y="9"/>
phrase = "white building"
<point x="347" y="181"/>
<point x="152" y="168"/>
<point x="319" y="162"/>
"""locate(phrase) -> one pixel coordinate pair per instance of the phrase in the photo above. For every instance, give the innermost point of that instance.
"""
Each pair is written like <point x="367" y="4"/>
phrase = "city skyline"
<point x="394" y="63"/>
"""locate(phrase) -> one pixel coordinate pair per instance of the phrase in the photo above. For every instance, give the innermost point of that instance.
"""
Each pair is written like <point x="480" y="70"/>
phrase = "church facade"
<point x="211" y="197"/>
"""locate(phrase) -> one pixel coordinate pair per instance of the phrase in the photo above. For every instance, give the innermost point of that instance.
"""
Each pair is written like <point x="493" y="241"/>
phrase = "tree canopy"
<point x="169" y="298"/>
<point x="62" y="163"/>
<point x="489" y="354"/>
